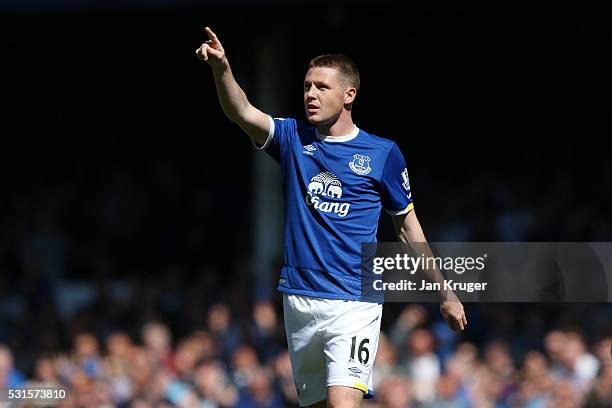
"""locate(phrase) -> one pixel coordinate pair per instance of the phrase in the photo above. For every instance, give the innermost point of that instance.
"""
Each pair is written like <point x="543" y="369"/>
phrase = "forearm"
<point x="415" y="237"/>
<point x="232" y="98"/>
<point x="408" y="230"/>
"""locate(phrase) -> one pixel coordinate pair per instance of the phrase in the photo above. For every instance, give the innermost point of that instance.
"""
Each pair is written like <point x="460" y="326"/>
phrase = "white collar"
<point x="344" y="138"/>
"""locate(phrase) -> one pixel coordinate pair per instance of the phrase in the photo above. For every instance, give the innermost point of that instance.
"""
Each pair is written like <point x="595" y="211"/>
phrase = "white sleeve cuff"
<point x="406" y="210"/>
<point x="269" y="139"/>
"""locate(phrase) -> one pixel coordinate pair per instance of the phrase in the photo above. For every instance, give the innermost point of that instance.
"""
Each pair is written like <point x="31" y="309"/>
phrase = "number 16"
<point x="362" y="349"/>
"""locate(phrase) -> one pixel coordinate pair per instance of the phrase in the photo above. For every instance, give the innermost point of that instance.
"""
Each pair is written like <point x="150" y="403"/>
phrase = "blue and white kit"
<point x="334" y="189"/>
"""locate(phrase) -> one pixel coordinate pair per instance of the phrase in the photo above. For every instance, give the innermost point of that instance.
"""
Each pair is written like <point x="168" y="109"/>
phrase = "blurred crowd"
<point x="230" y="362"/>
<point x="137" y="291"/>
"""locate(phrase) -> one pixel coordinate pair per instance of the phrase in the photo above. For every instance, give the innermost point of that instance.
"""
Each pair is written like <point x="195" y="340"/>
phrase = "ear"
<point x="349" y="95"/>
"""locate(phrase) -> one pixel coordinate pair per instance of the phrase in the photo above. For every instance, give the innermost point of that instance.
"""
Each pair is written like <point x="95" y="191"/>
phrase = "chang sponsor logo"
<point x="326" y="184"/>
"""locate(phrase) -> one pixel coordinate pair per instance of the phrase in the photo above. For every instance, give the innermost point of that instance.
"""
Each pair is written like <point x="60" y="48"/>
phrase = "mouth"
<point x="312" y="109"/>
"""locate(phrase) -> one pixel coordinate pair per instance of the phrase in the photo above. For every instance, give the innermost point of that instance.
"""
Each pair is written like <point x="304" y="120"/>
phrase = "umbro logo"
<point x="309" y="150"/>
<point x="355" y="372"/>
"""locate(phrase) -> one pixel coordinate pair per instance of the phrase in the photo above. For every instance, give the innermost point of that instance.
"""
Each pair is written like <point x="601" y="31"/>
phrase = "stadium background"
<point x="127" y="197"/>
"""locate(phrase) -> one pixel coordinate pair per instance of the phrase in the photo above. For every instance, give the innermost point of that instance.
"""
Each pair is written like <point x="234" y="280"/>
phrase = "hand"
<point x="211" y="51"/>
<point x="452" y="311"/>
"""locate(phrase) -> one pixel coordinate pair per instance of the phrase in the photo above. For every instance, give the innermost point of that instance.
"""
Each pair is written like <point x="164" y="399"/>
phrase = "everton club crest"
<point x="360" y="164"/>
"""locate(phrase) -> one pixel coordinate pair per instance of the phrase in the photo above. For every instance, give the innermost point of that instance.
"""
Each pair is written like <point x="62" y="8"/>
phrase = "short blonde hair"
<point x="342" y="63"/>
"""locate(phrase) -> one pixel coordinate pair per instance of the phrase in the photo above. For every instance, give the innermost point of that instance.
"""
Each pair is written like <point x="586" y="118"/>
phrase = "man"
<point x="336" y="179"/>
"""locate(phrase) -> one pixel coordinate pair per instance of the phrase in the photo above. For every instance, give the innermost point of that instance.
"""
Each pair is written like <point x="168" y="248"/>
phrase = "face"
<point x="325" y="95"/>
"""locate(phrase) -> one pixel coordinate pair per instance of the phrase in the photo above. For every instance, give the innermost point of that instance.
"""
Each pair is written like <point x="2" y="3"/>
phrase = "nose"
<point x="311" y="93"/>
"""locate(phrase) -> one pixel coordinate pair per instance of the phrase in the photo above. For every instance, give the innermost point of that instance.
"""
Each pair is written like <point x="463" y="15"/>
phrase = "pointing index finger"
<point x="211" y="35"/>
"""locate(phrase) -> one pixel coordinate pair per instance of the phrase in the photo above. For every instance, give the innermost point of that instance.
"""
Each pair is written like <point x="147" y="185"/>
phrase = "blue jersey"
<point x="334" y="190"/>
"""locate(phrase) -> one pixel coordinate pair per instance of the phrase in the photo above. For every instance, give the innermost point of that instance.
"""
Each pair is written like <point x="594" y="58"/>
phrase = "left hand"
<point x="452" y="311"/>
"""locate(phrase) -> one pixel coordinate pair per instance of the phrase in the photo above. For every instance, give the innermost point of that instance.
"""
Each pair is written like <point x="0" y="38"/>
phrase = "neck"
<point x="342" y="126"/>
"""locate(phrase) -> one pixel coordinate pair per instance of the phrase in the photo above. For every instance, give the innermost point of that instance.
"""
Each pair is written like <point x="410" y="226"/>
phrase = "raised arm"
<point x="233" y="100"/>
<point x="408" y="230"/>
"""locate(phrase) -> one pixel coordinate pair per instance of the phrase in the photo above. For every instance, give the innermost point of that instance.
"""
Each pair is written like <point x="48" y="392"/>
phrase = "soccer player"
<point x="336" y="180"/>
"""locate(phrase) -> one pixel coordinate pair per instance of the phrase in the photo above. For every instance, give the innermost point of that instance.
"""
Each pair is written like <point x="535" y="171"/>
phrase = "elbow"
<point x="239" y="115"/>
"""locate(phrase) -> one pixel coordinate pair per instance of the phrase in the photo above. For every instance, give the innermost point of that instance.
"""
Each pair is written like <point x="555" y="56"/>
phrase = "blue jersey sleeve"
<point x="282" y="131"/>
<point x="395" y="186"/>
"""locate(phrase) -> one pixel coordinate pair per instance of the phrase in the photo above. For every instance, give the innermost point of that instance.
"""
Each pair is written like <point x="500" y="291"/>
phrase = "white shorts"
<point x="331" y="342"/>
